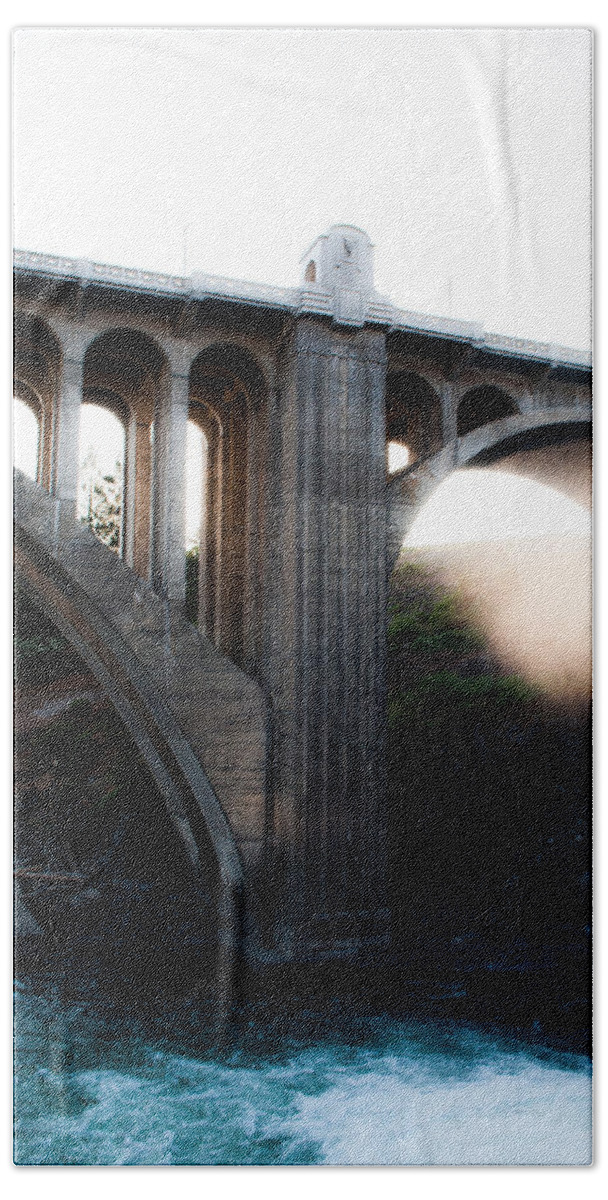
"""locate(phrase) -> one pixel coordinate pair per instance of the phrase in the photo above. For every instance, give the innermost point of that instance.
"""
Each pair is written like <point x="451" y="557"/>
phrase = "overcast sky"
<point x="465" y="154"/>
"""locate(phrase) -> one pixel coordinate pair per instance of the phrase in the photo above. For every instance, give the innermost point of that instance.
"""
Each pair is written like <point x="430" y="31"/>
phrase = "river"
<point x="91" y="1090"/>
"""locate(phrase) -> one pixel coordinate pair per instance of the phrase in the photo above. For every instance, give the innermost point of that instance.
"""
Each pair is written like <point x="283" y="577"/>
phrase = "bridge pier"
<point x="324" y="661"/>
<point x="169" y="484"/>
<point x="65" y="465"/>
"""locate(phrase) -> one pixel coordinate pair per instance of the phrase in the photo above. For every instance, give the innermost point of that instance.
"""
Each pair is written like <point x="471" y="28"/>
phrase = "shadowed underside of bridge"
<point x="263" y="728"/>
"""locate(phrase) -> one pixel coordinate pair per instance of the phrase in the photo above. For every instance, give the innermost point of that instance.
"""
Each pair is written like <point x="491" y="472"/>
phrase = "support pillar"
<point x="142" y="493"/>
<point x="450" y="393"/>
<point x="325" y="641"/>
<point x="66" y="432"/>
<point x="168" y="521"/>
<point x="45" y="446"/>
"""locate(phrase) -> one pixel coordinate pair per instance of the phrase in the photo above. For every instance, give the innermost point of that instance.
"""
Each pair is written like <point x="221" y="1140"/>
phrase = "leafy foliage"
<point x="441" y="689"/>
<point x="439" y="627"/>
<point x="102" y="501"/>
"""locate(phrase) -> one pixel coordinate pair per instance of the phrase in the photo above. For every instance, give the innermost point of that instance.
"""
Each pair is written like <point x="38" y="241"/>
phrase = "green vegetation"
<point x="488" y="790"/>
<point x="441" y="690"/>
<point x="438" y="626"/>
<point x="424" y="625"/>
<point x="102" y="501"/>
<point x="32" y="647"/>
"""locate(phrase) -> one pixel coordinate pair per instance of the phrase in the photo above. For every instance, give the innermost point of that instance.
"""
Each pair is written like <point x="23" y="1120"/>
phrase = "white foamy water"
<point x="410" y="1094"/>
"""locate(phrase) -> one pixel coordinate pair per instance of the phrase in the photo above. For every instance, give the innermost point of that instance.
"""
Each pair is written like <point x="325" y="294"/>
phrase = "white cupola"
<point x="340" y="263"/>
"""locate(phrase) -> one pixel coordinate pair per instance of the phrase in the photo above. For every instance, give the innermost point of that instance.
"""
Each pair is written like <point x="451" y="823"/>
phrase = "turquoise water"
<point x="91" y="1093"/>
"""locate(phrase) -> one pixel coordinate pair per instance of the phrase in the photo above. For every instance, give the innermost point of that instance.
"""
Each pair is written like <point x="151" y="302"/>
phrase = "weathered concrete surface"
<point x="199" y="705"/>
<point x="324" y="655"/>
<point x="281" y="696"/>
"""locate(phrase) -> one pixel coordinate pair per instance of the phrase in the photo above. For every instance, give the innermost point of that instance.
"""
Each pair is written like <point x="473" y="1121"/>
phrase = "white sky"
<point x="479" y="505"/>
<point x="464" y="153"/>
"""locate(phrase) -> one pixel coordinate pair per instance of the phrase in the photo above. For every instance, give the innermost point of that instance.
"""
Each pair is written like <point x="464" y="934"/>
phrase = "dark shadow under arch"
<point x="413" y="414"/>
<point x="37" y="354"/>
<point x="482" y="405"/>
<point x="123" y="361"/>
<point x="222" y="368"/>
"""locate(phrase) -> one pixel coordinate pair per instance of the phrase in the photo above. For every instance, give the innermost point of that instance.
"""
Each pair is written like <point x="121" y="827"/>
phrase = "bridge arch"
<point x="124" y="371"/>
<point x="38" y="358"/>
<point x="483" y="405"/>
<point x="207" y="845"/>
<point x="227" y="394"/>
<point x="413" y="415"/>
<point x="208" y="422"/>
<point x="411" y="488"/>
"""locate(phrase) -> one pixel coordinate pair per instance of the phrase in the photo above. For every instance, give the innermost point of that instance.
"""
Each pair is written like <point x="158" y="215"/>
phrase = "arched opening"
<point x="26" y="438"/>
<point x="101" y="474"/>
<point x="227" y="393"/>
<point x="397" y="456"/>
<point x="519" y="550"/>
<point x="124" y="371"/>
<point x="310" y="274"/>
<point x="197" y="450"/>
<point x="481" y="405"/>
<point x="413" y="420"/>
<point x="37" y="366"/>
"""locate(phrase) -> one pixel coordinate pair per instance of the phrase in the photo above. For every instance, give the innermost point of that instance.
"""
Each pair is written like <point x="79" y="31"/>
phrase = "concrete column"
<point x="325" y="645"/>
<point x="45" y="447"/>
<point x="66" y="431"/>
<point x="211" y="538"/>
<point x="168" y="515"/>
<point x="450" y="395"/>
<point x="254" y="533"/>
<point x="128" y="494"/>
<point x="234" y="499"/>
<point x="142" y="498"/>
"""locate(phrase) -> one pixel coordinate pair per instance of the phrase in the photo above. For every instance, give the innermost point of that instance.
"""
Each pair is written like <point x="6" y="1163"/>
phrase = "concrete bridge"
<point x="264" y="727"/>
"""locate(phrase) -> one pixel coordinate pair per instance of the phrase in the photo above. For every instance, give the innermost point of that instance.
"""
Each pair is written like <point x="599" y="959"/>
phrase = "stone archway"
<point x="482" y="405"/>
<point x="413" y="415"/>
<point x="204" y="841"/>
<point x="38" y="358"/>
<point x="227" y="391"/>
<point x="124" y="371"/>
